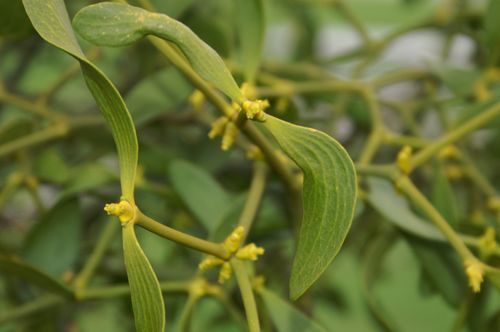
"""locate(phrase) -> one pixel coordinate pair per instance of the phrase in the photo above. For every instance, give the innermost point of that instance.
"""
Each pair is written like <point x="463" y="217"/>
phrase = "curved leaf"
<point x="115" y="24"/>
<point x="147" y="300"/>
<point x="329" y="197"/>
<point x="286" y="317"/>
<point x="51" y="21"/>
<point x="250" y="24"/>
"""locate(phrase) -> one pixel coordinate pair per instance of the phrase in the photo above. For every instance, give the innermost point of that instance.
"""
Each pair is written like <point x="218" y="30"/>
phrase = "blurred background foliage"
<point x="386" y="277"/>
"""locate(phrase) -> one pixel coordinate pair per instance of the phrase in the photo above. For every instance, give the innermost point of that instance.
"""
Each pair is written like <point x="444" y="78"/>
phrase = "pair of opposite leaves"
<point x="329" y="189"/>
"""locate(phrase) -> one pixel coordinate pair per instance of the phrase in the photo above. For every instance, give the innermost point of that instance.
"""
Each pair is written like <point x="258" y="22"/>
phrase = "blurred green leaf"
<point x="204" y="197"/>
<point x="51" y="21"/>
<point x="441" y="268"/>
<point x="492" y="29"/>
<point x="15" y="127"/>
<point x="102" y="316"/>
<point x="15" y="23"/>
<point x="50" y="166"/>
<point x="88" y="177"/>
<point x="329" y="195"/>
<point x="250" y="25"/>
<point x="147" y="299"/>
<point x="158" y="93"/>
<point x="114" y="24"/>
<point x="18" y="268"/>
<point x="383" y="197"/>
<point x="53" y="245"/>
<point x="286" y="317"/>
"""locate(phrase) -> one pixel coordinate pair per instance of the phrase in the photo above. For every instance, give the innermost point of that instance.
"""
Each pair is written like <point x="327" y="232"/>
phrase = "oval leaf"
<point x="286" y="317"/>
<point x="116" y="24"/>
<point x="250" y="24"/>
<point x="147" y="299"/>
<point x="329" y="197"/>
<point x="51" y="21"/>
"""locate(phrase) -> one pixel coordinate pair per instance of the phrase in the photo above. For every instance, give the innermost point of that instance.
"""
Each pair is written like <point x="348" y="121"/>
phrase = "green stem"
<point x="187" y="312"/>
<point x="346" y="11"/>
<point x="95" y="258"/>
<point x="417" y="198"/>
<point x="247" y="295"/>
<point x="43" y="303"/>
<point x="454" y="135"/>
<point x="208" y="247"/>
<point x="123" y="290"/>
<point x="27" y="105"/>
<point x="219" y="102"/>
<point x="13" y="181"/>
<point x="254" y="197"/>
<point x="35" y="138"/>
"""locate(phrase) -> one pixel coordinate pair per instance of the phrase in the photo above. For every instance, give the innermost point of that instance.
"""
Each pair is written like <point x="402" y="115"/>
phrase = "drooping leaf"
<point x="51" y="21"/>
<point x="329" y="196"/>
<point x="286" y="317"/>
<point x="115" y="24"/>
<point x="53" y="245"/>
<point x="250" y="25"/>
<point x="147" y="299"/>
<point x="204" y="197"/>
<point x="18" y="268"/>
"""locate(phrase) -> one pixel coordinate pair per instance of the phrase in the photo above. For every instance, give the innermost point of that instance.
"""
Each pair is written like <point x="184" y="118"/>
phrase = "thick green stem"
<point x="208" y="247"/>
<point x="247" y="295"/>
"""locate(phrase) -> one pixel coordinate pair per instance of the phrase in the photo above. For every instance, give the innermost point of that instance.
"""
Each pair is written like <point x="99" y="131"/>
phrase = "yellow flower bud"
<point x="254" y="153"/>
<point x="475" y="272"/>
<point x="225" y="272"/>
<point x="209" y="262"/>
<point x="196" y="99"/>
<point x="249" y="252"/>
<point x="233" y="241"/>
<point x="230" y="134"/>
<point x="123" y="210"/>
<point x="255" y="109"/>
<point x="487" y="243"/>
<point x="218" y="127"/>
<point x="449" y="152"/>
<point x="403" y="159"/>
<point x="248" y="91"/>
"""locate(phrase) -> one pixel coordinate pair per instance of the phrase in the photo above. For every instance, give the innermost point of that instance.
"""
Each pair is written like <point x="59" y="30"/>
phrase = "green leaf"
<point x="329" y="197"/>
<point x="50" y="166"/>
<point x="88" y="177"/>
<point x="204" y="197"/>
<point x="15" y="23"/>
<point x="18" y="268"/>
<point x="286" y="317"/>
<point x="53" y="244"/>
<point x="51" y="21"/>
<point x="441" y="268"/>
<point x="115" y="24"/>
<point x="250" y="25"/>
<point x="492" y="28"/>
<point x="383" y="197"/>
<point x="147" y="299"/>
